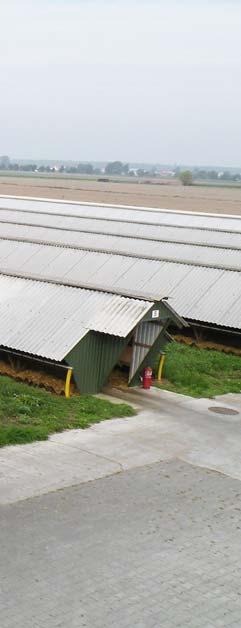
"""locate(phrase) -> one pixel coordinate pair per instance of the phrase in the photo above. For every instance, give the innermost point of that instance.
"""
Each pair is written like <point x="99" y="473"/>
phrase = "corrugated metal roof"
<point x="100" y="271"/>
<point x="13" y="221"/>
<point x="196" y="291"/>
<point x="48" y="320"/>
<point x="163" y="216"/>
<point x="186" y="253"/>
<point x="185" y="285"/>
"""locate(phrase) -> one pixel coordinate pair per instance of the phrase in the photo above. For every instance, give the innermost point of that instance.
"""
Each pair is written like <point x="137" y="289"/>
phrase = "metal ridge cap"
<point x="135" y="296"/>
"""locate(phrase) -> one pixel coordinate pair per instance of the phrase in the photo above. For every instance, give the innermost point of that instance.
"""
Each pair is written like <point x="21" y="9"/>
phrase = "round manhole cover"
<point x="222" y="410"/>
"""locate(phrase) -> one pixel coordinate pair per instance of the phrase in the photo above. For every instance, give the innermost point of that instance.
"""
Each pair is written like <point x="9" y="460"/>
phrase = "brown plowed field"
<point x="162" y="194"/>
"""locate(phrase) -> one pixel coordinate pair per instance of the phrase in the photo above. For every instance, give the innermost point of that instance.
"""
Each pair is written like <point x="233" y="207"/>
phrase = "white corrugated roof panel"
<point x="190" y="289"/>
<point x="139" y="215"/>
<point x="48" y="320"/>
<point x="53" y="225"/>
<point x="196" y="286"/>
<point x="209" y="295"/>
<point x="100" y="271"/>
<point x="167" y="254"/>
<point x="224" y="293"/>
<point x="187" y="253"/>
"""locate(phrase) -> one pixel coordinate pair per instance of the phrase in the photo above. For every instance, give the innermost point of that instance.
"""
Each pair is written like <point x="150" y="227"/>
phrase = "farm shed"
<point x="193" y="259"/>
<point x="85" y="329"/>
<point x="50" y="311"/>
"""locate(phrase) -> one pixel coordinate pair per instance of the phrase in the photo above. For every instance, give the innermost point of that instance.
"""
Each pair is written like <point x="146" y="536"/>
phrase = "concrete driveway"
<point x="152" y="542"/>
<point x="168" y="426"/>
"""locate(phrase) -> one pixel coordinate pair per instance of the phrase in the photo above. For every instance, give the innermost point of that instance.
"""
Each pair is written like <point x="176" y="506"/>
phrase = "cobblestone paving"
<point x="157" y="547"/>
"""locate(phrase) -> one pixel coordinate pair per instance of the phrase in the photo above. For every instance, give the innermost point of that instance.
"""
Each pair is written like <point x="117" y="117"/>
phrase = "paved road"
<point x="168" y="426"/>
<point x="154" y="547"/>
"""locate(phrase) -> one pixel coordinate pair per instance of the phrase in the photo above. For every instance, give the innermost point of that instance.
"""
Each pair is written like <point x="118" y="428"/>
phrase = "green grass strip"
<point x="201" y="372"/>
<point x="28" y="414"/>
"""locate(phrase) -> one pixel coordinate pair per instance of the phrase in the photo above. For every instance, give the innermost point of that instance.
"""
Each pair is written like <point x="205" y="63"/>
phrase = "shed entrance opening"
<point x="142" y="349"/>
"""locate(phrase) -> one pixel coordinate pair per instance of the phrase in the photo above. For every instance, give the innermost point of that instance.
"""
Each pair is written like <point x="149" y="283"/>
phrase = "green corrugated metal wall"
<point x="96" y="354"/>
<point x="93" y="359"/>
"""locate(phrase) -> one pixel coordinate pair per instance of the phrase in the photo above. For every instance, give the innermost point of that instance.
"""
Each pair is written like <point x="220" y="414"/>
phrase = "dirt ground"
<point x="165" y="194"/>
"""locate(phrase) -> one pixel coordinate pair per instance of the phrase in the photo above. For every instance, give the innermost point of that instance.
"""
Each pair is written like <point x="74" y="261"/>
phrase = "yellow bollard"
<point x="67" y="383"/>
<point x="160" y="367"/>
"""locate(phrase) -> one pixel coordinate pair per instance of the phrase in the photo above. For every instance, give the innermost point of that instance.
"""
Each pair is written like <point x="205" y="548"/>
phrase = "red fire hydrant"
<point x="147" y="378"/>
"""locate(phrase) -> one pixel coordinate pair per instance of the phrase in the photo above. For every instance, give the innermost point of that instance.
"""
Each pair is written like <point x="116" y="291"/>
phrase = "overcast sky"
<point x="136" y="80"/>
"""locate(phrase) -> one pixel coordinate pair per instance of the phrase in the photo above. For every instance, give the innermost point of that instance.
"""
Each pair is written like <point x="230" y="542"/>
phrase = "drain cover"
<point x="222" y="410"/>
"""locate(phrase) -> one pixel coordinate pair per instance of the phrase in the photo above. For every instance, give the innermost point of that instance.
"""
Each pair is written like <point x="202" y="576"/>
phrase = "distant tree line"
<point x="112" y="168"/>
<point x="21" y="167"/>
<point x="119" y="168"/>
<point x="187" y="177"/>
<point x="81" y="168"/>
<point x="214" y="175"/>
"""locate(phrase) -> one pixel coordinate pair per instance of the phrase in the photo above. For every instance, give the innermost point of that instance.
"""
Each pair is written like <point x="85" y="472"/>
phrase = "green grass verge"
<point x="28" y="414"/>
<point x="200" y="372"/>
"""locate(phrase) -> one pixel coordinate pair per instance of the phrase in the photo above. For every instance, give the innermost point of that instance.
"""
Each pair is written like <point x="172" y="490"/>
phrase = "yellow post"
<point x="67" y="383"/>
<point x="160" y="367"/>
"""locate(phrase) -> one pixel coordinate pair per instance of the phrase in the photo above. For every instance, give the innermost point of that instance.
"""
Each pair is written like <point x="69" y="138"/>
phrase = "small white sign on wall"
<point x="155" y="313"/>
